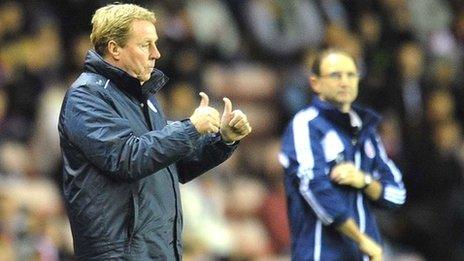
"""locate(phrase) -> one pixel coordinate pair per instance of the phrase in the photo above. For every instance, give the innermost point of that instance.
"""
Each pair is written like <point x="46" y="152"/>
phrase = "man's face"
<point x="139" y="55"/>
<point x="338" y="81"/>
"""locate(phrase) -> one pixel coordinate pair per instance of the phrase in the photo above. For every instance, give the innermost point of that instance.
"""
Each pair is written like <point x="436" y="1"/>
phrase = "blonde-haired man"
<point x="122" y="160"/>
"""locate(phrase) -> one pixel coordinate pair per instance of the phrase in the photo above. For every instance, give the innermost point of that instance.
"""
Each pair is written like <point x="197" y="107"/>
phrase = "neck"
<point x="115" y="63"/>
<point x="345" y="108"/>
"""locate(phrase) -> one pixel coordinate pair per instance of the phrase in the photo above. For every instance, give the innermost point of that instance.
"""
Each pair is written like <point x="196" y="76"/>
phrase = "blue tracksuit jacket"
<point x="318" y="138"/>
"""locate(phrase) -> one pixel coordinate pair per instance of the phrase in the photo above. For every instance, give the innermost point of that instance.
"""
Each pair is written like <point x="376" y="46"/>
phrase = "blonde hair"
<point x="113" y="21"/>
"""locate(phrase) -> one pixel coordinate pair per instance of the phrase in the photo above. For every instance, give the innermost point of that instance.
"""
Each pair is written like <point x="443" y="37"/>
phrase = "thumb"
<point x="227" y="106"/>
<point x="204" y="99"/>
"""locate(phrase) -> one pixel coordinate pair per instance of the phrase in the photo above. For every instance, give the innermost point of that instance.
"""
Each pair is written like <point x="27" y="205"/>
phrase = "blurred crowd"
<point x="256" y="52"/>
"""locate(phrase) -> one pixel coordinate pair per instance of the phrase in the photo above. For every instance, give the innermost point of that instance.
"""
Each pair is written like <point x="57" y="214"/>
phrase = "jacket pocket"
<point x="133" y="213"/>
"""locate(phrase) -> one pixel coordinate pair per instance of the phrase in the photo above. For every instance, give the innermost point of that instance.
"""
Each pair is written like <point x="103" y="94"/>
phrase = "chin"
<point x="144" y="78"/>
<point x="345" y="99"/>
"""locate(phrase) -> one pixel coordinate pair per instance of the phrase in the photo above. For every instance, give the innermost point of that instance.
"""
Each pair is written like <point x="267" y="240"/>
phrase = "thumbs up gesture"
<point x="205" y="118"/>
<point x="234" y="124"/>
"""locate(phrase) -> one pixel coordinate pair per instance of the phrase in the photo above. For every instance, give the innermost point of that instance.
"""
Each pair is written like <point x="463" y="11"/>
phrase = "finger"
<point x="227" y="106"/>
<point x="240" y="124"/>
<point x="338" y="179"/>
<point x="237" y="116"/>
<point x="210" y="111"/>
<point x="342" y="166"/>
<point x="337" y="170"/>
<point x="346" y="180"/>
<point x="211" y="128"/>
<point x="214" y="129"/>
<point x="350" y="165"/>
<point x="210" y="115"/>
<point x="204" y="99"/>
<point x="216" y="120"/>
<point x="341" y="176"/>
<point x="212" y="121"/>
<point x="215" y="123"/>
<point x="245" y="129"/>
<point x="214" y="113"/>
<point x="335" y="175"/>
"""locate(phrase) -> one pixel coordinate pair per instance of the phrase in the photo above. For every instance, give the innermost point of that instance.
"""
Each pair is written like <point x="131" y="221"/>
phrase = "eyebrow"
<point x="343" y="70"/>
<point x="330" y="72"/>
<point x="154" y="39"/>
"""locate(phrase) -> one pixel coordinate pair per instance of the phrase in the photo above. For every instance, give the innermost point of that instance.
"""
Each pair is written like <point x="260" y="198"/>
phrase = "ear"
<point x="113" y="50"/>
<point x="314" y="82"/>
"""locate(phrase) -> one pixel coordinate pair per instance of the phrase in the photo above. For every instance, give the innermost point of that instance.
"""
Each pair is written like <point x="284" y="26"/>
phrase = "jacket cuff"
<point x="229" y="144"/>
<point x="218" y="142"/>
<point x="191" y="131"/>
<point x="226" y="146"/>
<point x="340" y="219"/>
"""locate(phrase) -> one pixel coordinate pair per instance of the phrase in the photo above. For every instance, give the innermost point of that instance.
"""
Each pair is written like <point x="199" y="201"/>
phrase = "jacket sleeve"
<point x="210" y="152"/>
<point x="91" y="124"/>
<point x="386" y="172"/>
<point x="302" y="150"/>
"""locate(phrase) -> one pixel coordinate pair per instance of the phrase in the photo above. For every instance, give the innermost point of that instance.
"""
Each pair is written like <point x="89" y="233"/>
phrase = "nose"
<point x="154" y="52"/>
<point x="345" y="79"/>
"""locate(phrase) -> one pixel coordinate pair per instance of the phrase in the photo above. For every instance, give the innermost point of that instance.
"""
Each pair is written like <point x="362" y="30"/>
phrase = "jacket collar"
<point x="96" y="64"/>
<point x="369" y="118"/>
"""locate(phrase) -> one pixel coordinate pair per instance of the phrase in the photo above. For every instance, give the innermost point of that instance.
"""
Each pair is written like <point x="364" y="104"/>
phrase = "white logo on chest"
<point x="332" y="145"/>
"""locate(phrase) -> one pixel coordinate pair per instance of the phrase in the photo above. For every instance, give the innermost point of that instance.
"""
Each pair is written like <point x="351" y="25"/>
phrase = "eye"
<point x="352" y="75"/>
<point x="335" y="75"/>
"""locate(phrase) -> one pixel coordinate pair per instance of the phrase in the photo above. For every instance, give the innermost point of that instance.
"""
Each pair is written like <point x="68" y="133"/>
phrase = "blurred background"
<point x="255" y="52"/>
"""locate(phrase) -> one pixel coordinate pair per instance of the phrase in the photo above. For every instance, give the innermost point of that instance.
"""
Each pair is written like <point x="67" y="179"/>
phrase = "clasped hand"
<point x="233" y="125"/>
<point x="347" y="174"/>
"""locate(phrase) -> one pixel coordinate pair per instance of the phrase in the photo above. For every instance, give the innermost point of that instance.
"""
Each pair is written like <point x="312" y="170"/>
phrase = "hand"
<point x="234" y="124"/>
<point x="370" y="248"/>
<point x="347" y="174"/>
<point x="205" y="118"/>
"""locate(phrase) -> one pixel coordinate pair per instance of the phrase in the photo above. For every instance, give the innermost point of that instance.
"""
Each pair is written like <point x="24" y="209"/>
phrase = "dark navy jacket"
<point x="318" y="138"/>
<point x="123" y="163"/>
